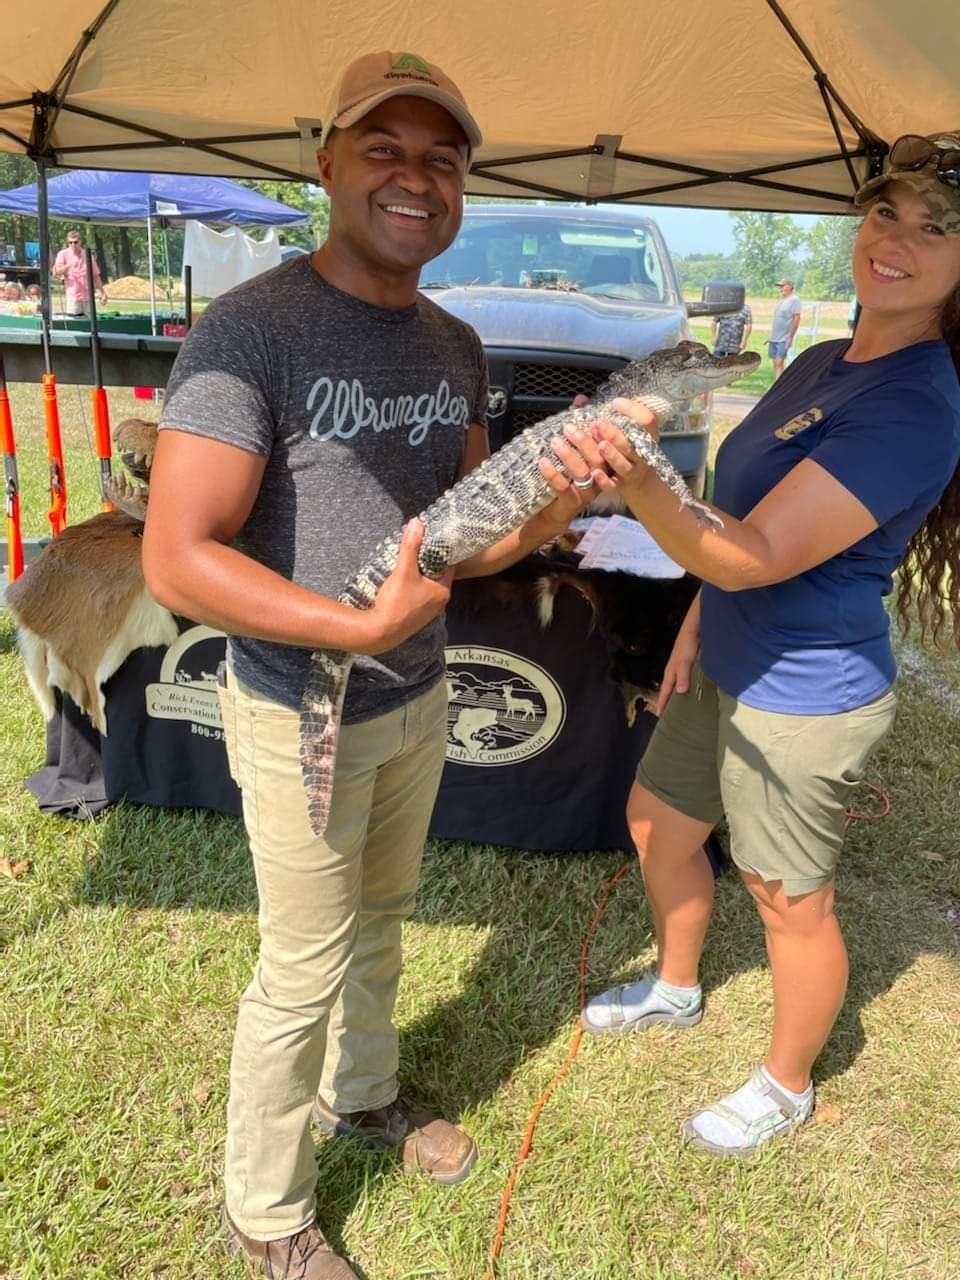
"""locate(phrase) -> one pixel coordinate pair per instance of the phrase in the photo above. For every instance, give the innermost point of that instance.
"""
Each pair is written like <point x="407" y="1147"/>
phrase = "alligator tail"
<point x="320" y="712"/>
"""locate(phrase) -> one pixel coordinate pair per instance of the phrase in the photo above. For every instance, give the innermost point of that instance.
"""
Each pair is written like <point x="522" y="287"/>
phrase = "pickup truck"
<point x="563" y="295"/>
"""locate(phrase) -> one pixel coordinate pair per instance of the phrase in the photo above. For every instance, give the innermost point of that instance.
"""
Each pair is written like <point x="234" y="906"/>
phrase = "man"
<point x="783" y="328"/>
<point x="70" y="267"/>
<point x="730" y="334"/>
<point x="310" y="412"/>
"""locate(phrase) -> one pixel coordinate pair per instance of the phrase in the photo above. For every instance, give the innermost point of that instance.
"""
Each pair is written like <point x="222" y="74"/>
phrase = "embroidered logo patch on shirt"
<point x="801" y="422"/>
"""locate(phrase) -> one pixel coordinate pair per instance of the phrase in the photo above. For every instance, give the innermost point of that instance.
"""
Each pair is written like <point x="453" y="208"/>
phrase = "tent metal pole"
<point x="153" y="296"/>
<point x="100" y="408"/>
<point x="165" y="246"/>
<point x="188" y="295"/>
<point x="44" y="263"/>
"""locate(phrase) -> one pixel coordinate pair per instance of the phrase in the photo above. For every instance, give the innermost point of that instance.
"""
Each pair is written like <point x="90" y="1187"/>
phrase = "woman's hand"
<point x="676" y="674"/>
<point x="576" y="486"/>
<point x="629" y="471"/>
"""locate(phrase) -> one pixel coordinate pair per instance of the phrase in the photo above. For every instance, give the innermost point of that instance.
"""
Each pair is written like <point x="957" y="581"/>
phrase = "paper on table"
<point x="622" y="545"/>
<point x="593" y="527"/>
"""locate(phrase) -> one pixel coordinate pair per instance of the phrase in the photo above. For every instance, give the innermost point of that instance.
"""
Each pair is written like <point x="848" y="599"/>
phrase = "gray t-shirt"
<point x="783" y="314"/>
<point x="361" y="413"/>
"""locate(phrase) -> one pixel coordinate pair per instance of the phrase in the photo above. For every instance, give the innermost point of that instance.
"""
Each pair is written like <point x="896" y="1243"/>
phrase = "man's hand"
<point x="407" y="601"/>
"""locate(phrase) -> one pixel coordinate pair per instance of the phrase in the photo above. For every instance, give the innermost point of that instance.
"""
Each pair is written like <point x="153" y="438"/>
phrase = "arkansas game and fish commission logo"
<point x="501" y="708"/>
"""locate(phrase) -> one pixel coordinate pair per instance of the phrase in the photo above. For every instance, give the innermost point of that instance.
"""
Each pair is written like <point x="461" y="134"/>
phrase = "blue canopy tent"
<point x="132" y="199"/>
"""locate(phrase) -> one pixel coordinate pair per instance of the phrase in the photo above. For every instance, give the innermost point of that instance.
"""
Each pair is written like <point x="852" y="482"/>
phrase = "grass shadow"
<point x="190" y="859"/>
<point x="504" y="924"/>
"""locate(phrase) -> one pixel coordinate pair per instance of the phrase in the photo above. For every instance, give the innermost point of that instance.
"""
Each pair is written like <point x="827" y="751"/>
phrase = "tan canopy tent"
<point x="753" y="104"/>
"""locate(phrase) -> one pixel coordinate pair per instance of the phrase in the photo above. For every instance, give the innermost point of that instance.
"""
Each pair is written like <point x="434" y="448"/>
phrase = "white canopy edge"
<point x="741" y="104"/>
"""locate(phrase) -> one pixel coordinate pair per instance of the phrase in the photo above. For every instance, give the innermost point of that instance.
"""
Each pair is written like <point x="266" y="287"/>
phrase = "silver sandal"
<point x="685" y="1013"/>
<point x="784" y="1114"/>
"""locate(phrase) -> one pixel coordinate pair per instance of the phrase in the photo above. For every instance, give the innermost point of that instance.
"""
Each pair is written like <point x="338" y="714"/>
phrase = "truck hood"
<point x="553" y="321"/>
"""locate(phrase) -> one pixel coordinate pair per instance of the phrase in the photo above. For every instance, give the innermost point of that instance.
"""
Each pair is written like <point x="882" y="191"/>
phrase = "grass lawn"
<point x="761" y="379"/>
<point x="129" y="938"/>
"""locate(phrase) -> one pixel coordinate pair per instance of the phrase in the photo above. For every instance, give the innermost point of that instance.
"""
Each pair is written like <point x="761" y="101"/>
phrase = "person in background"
<point x="784" y="325"/>
<point x="730" y="334"/>
<point x="70" y="267"/>
<point x="852" y="315"/>
<point x="11" y="297"/>
<point x="782" y="679"/>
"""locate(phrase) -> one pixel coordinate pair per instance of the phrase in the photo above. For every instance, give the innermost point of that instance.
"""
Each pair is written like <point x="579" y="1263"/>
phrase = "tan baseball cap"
<point x="942" y="200"/>
<point x="781" y="282"/>
<point x="372" y="79"/>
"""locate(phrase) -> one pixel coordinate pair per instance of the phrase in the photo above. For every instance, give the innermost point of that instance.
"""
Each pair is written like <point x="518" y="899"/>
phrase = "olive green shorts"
<point x="783" y="781"/>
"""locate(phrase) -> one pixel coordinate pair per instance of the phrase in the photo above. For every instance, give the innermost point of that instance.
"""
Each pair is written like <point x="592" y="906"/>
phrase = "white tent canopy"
<point x="753" y="104"/>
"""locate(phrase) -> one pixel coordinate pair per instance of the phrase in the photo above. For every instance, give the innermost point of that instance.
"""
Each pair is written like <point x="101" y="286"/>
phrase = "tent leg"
<point x="165" y="247"/>
<point x="153" y="295"/>
<point x="44" y="264"/>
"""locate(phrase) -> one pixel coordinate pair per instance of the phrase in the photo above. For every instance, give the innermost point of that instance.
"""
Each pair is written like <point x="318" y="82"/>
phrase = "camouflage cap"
<point x="942" y="200"/>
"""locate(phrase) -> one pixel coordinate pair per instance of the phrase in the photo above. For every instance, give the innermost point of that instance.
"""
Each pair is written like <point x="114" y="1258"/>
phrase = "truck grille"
<point x="556" y="380"/>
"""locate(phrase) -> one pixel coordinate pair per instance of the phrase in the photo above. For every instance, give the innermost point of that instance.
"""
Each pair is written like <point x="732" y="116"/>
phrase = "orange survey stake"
<point x="101" y="435"/>
<point x="11" y="483"/>
<point x="58" y="481"/>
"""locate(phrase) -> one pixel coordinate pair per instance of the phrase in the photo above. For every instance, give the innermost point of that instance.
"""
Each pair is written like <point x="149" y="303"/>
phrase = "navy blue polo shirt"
<point x="889" y="431"/>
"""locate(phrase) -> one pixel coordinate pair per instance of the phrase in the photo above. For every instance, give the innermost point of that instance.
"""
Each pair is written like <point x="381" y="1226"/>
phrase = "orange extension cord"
<point x="853" y="815"/>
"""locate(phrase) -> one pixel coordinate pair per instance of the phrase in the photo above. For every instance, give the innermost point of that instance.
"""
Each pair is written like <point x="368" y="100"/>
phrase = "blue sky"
<point x="701" y="230"/>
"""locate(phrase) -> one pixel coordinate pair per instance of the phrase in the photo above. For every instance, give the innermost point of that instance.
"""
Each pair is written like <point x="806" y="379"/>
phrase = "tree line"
<point x="771" y="247"/>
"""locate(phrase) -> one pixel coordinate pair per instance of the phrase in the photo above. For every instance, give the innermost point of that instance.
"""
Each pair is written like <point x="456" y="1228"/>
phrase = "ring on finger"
<point x="585" y="483"/>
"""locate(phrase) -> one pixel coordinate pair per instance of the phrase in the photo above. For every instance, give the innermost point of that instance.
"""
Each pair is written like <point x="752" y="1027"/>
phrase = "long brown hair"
<point x="929" y="586"/>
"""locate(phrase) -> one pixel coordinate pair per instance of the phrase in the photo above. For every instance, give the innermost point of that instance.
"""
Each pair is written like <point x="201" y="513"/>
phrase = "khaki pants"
<point x="317" y="1016"/>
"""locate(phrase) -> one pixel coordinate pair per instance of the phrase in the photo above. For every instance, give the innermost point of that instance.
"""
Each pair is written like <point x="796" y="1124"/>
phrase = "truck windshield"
<point x="598" y="258"/>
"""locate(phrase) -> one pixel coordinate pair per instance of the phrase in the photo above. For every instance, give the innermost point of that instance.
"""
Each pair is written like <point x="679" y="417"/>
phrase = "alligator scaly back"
<point x="492" y="501"/>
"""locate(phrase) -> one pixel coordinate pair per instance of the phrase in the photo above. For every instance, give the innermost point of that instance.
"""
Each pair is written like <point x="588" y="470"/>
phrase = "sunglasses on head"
<point x="913" y="152"/>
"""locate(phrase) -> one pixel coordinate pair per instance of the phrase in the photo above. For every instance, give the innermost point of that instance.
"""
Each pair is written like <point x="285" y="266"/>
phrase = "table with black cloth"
<point x="540" y="753"/>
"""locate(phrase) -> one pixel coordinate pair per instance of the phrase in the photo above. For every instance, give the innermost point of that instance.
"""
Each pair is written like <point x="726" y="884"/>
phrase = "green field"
<point x="129" y="938"/>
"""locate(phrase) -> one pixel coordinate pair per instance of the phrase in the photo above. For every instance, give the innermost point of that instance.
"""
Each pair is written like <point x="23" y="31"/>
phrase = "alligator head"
<point x="135" y="442"/>
<point x="680" y="372"/>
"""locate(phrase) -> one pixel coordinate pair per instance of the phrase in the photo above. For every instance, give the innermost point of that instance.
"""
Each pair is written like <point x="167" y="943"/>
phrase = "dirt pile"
<point x="137" y="289"/>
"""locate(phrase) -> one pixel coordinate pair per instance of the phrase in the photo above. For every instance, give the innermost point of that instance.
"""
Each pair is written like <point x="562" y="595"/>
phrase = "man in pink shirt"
<point x="69" y="266"/>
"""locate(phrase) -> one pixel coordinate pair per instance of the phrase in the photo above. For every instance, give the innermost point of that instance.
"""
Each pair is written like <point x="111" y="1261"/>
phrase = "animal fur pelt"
<point x="82" y="606"/>
<point x="637" y="618"/>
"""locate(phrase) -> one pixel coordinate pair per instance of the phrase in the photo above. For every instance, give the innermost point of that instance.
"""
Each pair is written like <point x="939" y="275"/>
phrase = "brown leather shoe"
<point x="430" y="1145"/>
<point x="302" y="1256"/>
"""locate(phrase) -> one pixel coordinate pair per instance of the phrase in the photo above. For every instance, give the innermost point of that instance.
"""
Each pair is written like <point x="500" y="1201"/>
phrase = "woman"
<point x="781" y="680"/>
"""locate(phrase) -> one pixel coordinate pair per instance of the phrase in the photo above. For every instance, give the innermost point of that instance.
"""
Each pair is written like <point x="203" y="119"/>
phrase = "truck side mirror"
<point x="719" y="298"/>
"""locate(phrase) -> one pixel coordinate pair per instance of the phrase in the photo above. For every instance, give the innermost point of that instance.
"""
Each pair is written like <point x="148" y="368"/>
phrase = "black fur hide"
<point x="637" y="618"/>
